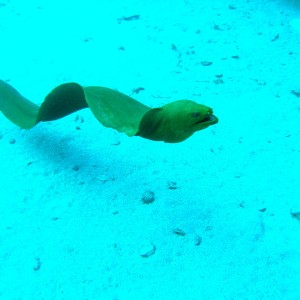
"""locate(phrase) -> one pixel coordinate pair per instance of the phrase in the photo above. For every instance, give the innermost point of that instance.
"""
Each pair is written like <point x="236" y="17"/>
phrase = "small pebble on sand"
<point x="147" y="250"/>
<point x="148" y="197"/>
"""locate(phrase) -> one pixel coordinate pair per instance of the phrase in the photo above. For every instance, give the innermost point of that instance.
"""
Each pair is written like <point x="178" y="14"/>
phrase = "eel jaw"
<point x="211" y="118"/>
<point x="208" y="120"/>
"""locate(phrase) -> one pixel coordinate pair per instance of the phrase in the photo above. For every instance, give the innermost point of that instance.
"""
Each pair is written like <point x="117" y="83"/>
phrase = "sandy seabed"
<point x="224" y="223"/>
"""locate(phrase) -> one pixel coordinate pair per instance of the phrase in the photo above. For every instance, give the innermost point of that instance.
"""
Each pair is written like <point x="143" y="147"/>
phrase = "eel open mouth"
<point x="211" y="119"/>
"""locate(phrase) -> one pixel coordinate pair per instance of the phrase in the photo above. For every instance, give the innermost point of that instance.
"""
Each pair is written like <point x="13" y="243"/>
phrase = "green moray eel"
<point x="171" y="123"/>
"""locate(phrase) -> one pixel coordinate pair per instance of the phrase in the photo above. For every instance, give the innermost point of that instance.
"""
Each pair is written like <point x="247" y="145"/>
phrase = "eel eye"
<point x="195" y="114"/>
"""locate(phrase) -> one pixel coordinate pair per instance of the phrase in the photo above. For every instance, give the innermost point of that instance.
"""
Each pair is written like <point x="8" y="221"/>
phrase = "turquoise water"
<point x="225" y="218"/>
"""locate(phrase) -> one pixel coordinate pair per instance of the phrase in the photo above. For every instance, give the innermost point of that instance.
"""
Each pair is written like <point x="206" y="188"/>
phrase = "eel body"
<point x="171" y="123"/>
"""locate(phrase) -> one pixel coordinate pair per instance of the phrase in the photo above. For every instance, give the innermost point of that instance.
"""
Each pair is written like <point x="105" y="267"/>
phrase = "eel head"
<point x="176" y="121"/>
